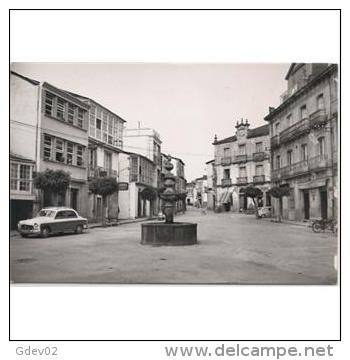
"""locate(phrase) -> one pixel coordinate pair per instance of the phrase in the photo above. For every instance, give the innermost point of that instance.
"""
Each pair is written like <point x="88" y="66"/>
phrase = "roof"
<point x="32" y="81"/>
<point x="89" y="99"/>
<point x="57" y="208"/>
<point x="252" y="133"/>
<point x="210" y="161"/>
<point x="298" y="93"/>
<point x="65" y="93"/>
<point x="293" y="67"/>
<point x="21" y="158"/>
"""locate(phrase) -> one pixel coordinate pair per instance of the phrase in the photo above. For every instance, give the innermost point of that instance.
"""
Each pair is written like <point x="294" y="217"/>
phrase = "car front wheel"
<point x="45" y="231"/>
<point x="79" y="229"/>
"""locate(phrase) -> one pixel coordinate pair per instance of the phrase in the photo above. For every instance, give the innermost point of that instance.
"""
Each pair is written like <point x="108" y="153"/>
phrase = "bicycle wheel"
<point x="316" y="227"/>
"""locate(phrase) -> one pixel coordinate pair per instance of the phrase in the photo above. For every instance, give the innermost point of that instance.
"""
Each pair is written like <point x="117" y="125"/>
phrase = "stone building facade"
<point x="241" y="160"/>
<point x="304" y="133"/>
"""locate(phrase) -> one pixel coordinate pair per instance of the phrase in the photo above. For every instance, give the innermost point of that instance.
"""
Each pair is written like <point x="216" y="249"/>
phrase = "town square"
<point x="140" y="180"/>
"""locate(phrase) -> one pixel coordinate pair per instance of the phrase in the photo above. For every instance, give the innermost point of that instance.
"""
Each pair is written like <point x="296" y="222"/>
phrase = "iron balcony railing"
<point x="242" y="180"/>
<point x="318" y="118"/>
<point x="226" y="182"/>
<point x="257" y="179"/>
<point x="240" y="158"/>
<point x="315" y="163"/>
<point x="101" y="172"/>
<point x="295" y="131"/>
<point x="259" y="156"/>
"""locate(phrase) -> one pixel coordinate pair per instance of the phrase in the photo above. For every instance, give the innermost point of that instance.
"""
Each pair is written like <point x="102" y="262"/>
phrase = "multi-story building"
<point x="49" y="128"/>
<point x="304" y="142"/>
<point x="105" y="143"/>
<point x="190" y="193"/>
<point x="200" y="191"/>
<point x="211" y="184"/>
<point x="140" y="197"/>
<point x="241" y="160"/>
<point x="146" y="142"/>
<point x="24" y="113"/>
<point x="180" y="181"/>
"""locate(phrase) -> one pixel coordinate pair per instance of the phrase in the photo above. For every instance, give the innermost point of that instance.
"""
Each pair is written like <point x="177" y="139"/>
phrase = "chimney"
<point x="215" y="138"/>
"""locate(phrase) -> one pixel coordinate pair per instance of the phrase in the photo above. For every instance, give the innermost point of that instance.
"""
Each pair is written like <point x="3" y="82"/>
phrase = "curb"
<point x="92" y="226"/>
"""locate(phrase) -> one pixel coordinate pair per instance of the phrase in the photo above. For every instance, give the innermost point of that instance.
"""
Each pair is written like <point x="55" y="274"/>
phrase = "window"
<point x="278" y="162"/>
<point x="14" y="176"/>
<point x="242" y="171"/>
<point x="320" y="102"/>
<point x="59" y="150"/>
<point x="71" y="113"/>
<point x="303" y="113"/>
<point x="110" y="125"/>
<point x="98" y="128"/>
<point x="134" y="166"/>
<point x="289" y="157"/>
<point x="61" y="108"/>
<point x="47" y="147"/>
<point x="70" y="214"/>
<point x="321" y="146"/>
<point x="92" y="158"/>
<point x="110" y="139"/>
<point x="227" y="174"/>
<point x="24" y="177"/>
<point x="21" y="177"/>
<point x="291" y="199"/>
<point x="241" y="149"/>
<point x="70" y="153"/>
<point x="61" y="215"/>
<point x="303" y="150"/>
<point x="226" y="152"/>
<point x="108" y="161"/>
<point x="289" y="120"/>
<point x="80" y="121"/>
<point x="259" y="170"/>
<point x="80" y="153"/>
<point x="277" y="128"/>
<point x="49" y="99"/>
<point x="259" y="147"/>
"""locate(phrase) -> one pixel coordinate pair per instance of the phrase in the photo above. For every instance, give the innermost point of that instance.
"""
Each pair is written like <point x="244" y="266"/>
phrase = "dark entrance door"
<point x="306" y="205"/>
<point x="20" y="210"/>
<point x="74" y="198"/>
<point x="324" y="203"/>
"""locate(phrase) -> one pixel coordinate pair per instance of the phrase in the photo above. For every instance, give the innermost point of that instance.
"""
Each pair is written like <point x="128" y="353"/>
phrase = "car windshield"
<point x="48" y="213"/>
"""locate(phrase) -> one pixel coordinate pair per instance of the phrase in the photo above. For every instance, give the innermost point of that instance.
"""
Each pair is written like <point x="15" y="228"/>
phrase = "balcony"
<point x="319" y="162"/>
<point x="101" y="172"/>
<point x="289" y="171"/>
<point x="242" y="180"/>
<point x="318" y="118"/>
<point x="295" y="131"/>
<point x="259" y="156"/>
<point x="275" y="142"/>
<point x="226" y="182"/>
<point x="240" y="158"/>
<point x="226" y="160"/>
<point x="258" y="179"/>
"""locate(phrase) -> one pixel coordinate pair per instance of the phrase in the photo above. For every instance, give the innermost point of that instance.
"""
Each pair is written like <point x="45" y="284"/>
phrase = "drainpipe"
<point x="38" y="134"/>
<point x="332" y="143"/>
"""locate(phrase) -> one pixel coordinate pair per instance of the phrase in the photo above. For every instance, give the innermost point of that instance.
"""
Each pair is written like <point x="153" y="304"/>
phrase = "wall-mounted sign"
<point x="123" y="186"/>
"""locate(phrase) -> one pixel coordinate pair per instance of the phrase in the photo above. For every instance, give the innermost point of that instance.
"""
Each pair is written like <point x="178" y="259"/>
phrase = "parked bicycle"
<point x="324" y="224"/>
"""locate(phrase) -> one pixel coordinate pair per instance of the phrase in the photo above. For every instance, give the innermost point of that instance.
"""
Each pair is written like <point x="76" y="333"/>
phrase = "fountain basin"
<point x="159" y="234"/>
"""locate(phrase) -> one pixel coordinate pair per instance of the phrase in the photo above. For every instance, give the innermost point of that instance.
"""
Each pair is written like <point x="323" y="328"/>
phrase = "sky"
<point x="187" y="104"/>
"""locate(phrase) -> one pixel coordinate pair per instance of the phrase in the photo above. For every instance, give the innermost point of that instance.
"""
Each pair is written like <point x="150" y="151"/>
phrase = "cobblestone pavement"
<point x="232" y="249"/>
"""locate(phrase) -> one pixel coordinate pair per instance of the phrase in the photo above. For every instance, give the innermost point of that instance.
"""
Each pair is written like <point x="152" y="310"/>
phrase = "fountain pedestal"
<point x="169" y="232"/>
<point x="158" y="234"/>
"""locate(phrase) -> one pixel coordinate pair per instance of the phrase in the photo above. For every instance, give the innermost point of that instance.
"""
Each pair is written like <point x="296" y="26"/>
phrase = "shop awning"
<point x="225" y="198"/>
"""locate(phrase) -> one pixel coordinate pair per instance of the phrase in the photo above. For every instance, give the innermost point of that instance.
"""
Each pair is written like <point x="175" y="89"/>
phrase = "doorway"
<point x="324" y="203"/>
<point x="306" y="205"/>
<point x="74" y="198"/>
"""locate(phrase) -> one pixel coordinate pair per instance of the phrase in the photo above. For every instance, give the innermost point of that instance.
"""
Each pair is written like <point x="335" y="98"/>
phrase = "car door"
<point x="72" y="220"/>
<point x="61" y="222"/>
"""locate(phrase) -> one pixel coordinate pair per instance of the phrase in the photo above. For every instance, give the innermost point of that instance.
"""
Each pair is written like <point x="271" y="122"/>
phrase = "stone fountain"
<point x="169" y="232"/>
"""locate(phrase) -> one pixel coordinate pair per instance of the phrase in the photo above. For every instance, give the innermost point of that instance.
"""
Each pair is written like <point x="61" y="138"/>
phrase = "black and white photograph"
<point x="174" y="173"/>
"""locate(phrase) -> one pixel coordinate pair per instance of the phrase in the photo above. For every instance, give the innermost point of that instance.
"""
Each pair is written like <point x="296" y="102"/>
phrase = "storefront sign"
<point x="123" y="186"/>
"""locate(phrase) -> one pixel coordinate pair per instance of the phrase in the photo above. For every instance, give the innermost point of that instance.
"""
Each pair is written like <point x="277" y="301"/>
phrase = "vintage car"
<point x="264" y="211"/>
<point x="53" y="220"/>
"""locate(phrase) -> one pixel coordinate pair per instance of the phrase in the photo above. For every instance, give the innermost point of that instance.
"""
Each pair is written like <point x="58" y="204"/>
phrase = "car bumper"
<point x="29" y="231"/>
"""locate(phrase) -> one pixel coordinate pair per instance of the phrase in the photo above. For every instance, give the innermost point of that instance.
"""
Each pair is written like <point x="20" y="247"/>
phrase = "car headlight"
<point x="36" y="226"/>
